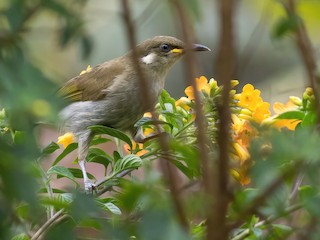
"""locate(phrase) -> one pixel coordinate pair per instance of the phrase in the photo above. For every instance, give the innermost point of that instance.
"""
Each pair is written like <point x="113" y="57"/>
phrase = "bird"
<point x="110" y="93"/>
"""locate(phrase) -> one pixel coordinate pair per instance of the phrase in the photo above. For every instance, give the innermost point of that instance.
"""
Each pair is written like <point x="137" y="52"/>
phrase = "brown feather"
<point x="92" y="85"/>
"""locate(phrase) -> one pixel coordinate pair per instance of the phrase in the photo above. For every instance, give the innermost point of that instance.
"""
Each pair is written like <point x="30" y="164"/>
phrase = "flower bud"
<point x="296" y="100"/>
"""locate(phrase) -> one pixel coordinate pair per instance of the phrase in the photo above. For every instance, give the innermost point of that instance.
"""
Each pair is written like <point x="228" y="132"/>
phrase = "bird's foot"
<point x="89" y="186"/>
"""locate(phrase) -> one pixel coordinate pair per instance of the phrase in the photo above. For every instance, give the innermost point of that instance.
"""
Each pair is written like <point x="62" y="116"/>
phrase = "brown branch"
<point x="225" y="65"/>
<point x="305" y="47"/>
<point x="166" y="167"/>
<point x="188" y="36"/>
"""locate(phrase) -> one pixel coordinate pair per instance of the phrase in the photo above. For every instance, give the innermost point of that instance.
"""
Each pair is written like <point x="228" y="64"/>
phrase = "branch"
<point x="167" y="168"/>
<point x="56" y="218"/>
<point x="226" y="66"/>
<point x="305" y="47"/>
<point x="271" y="219"/>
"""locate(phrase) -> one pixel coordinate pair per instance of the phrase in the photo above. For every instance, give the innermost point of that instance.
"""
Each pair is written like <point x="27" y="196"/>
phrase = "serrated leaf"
<point x="52" y="147"/>
<point x="97" y="129"/>
<point x="130" y="161"/>
<point x="71" y="147"/>
<point x="291" y="115"/>
<point x="61" y="171"/>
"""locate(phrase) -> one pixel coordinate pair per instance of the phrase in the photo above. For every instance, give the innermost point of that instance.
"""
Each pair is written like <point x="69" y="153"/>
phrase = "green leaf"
<point x="285" y="25"/>
<point x="152" y="122"/>
<point x="310" y="197"/>
<point x="71" y="147"/>
<point x="21" y="236"/>
<point x="99" y="156"/>
<point x="61" y="171"/>
<point x="54" y="190"/>
<point x="52" y="147"/>
<point x="130" y="161"/>
<point x="97" y="129"/>
<point x="116" y="156"/>
<point x="99" y="140"/>
<point x="59" y="201"/>
<point x="309" y="119"/>
<point x="109" y="206"/>
<point x="291" y="115"/>
<point x="77" y="173"/>
<point x="281" y="231"/>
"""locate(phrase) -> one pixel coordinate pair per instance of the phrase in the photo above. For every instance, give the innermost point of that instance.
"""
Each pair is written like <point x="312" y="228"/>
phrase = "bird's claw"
<point x="89" y="186"/>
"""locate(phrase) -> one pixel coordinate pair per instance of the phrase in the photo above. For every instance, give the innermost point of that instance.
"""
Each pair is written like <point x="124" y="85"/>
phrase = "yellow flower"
<point x="241" y="153"/>
<point x="279" y="108"/>
<point x="88" y="69"/>
<point x="66" y="139"/>
<point x="136" y="147"/>
<point x="213" y="83"/>
<point x="261" y="112"/>
<point x="147" y="114"/>
<point x="249" y="98"/>
<point x="234" y="83"/>
<point x="241" y="176"/>
<point x="202" y="85"/>
<point x="183" y="103"/>
<point x="243" y="131"/>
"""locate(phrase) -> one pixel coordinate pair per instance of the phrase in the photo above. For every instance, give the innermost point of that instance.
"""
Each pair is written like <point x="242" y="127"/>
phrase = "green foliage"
<point x="283" y="165"/>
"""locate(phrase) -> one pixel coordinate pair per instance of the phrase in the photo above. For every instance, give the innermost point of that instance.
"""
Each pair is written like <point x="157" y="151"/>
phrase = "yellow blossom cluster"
<point x="249" y="111"/>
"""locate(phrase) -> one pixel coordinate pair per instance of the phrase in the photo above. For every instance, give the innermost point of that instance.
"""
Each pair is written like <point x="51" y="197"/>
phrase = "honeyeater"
<point x="110" y="93"/>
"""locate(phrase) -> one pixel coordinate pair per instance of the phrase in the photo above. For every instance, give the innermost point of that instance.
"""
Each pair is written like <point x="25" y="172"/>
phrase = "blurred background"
<point x="45" y="43"/>
<point x="271" y="64"/>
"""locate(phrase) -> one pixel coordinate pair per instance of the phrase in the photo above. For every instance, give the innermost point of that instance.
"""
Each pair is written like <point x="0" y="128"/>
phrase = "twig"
<point x="226" y="66"/>
<point x="188" y="36"/>
<point x="245" y="233"/>
<point x="267" y="192"/>
<point x="165" y="165"/>
<point x="44" y="228"/>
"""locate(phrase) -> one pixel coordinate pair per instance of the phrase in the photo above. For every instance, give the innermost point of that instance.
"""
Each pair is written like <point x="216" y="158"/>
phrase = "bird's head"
<point x="162" y="52"/>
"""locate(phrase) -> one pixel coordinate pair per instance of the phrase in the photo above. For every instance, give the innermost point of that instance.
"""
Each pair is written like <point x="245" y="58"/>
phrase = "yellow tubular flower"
<point x="135" y="147"/>
<point x="66" y="139"/>
<point x="183" y="103"/>
<point x="202" y="85"/>
<point x="261" y="112"/>
<point x="241" y="152"/>
<point x="249" y="98"/>
<point x="279" y="108"/>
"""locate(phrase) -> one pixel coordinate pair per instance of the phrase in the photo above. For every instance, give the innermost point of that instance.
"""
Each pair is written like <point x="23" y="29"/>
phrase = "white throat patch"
<point x="149" y="58"/>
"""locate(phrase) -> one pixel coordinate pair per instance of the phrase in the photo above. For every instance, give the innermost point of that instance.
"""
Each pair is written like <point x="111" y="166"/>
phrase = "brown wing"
<point x="92" y="85"/>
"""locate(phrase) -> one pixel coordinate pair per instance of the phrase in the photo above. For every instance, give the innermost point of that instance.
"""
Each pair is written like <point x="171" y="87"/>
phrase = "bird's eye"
<point x="165" y="47"/>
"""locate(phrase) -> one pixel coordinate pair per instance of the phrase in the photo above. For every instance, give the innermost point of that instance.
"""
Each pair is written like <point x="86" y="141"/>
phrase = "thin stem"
<point x="44" y="228"/>
<point x="245" y="233"/>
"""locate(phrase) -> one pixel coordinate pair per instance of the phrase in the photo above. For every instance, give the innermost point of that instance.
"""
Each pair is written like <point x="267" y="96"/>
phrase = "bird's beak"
<point x="195" y="47"/>
<point x="200" y="47"/>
